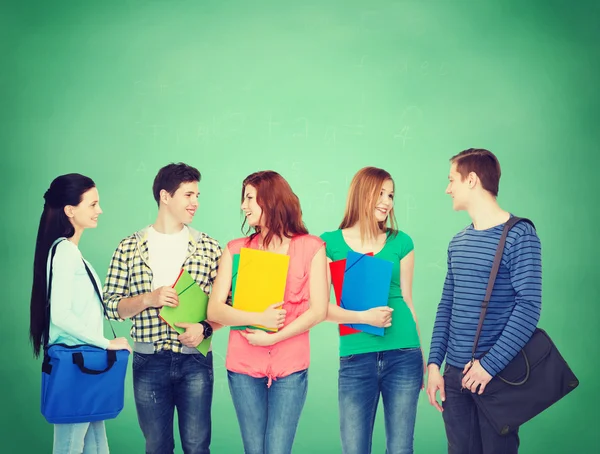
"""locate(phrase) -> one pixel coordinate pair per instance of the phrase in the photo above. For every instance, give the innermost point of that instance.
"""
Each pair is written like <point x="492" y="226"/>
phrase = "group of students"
<point x="268" y="372"/>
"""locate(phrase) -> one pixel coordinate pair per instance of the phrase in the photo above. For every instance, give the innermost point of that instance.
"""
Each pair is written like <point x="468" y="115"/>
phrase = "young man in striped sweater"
<point x="512" y="315"/>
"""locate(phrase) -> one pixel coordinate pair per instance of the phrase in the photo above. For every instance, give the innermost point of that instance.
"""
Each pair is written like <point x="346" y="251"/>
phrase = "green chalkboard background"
<point x="314" y="90"/>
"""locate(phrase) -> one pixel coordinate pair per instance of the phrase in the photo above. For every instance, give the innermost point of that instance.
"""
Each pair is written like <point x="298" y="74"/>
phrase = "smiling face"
<point x="250" y="207"/>
<point x="458" y="188"/>
<point x="385" y="202"/>
<point x="85" y="215"/>
<point x="182" y="205"/>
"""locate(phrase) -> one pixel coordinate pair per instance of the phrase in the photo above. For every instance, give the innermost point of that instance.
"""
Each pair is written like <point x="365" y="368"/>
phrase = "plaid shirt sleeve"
<point x="204" y="263"/>
<point x="217" y="253"/>
<point x="116" y="285"/>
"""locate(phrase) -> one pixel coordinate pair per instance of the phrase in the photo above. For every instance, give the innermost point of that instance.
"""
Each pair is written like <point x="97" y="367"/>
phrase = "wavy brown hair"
<point x="281" y="212"/>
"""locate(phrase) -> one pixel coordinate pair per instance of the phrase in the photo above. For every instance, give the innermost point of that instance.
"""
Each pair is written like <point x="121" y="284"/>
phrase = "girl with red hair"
<point x="268" y="372"/>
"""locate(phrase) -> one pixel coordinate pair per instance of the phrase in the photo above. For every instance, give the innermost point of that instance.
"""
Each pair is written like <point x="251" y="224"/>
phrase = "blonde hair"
<point x="363" y="195"/>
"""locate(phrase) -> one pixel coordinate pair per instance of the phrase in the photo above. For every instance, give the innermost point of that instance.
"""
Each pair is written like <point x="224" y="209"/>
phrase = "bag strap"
<point x="496" y="265"/>
<point x="99" y="296"/>
<point x="46" y="335"/>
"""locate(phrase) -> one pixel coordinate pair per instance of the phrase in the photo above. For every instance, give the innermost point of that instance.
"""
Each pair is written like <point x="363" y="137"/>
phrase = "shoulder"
<point x="462" y="233"/>
<point x="128" y="244"/>
<point x="204" y="239"/>
<point x="399" y="237"/>
<point x="311" y="241"/>
<point x="67" y="252"/>
<point x="522" y="229"/>
<point x="401" y="242"/>
<point x="325" y="236"/>
<point x="235" y="245"/>
<point x="305" y="247"/>
<point x="333" y="236"/>
<point x="205" y="244"/>
<point x="522" y="234"/>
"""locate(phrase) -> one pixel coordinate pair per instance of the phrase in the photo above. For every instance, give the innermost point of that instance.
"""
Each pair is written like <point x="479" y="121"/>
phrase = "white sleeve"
<point x="66" y="261"/>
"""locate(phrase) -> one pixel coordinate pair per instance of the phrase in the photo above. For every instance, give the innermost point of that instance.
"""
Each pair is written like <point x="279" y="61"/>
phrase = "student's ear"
<point x="164" y="196"/>
<point x="69" y="211"/>
<point x="472" y="179"/>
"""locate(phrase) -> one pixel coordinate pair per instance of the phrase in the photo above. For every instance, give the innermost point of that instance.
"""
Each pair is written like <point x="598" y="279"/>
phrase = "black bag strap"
<point x="46" y="335"/>
<point x="99" y="296"/>
<point x="497" y="259"/>
<point x="111" y="359"/>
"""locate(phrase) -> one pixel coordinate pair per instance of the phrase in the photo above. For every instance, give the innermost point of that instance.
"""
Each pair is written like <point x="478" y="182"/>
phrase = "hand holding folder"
<point x="259" y="281"/>
<point x="337" y="269"/>
<point x="366" y="285"/>
<point x="192" y="307"/>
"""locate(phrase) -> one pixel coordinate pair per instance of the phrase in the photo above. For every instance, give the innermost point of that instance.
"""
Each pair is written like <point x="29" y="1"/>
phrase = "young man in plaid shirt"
<point x="168" y="370"/>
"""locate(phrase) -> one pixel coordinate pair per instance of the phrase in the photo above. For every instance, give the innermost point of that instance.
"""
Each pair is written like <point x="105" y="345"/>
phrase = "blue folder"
<point x="366" y="285"/>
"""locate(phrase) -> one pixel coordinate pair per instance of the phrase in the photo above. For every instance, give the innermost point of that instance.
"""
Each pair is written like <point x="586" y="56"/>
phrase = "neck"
<point x="276" y="242"/>
<point x="166" y="224"/>
<point x="486" y="213"/>
<point x="76" y="236"/>
<point x="355" y="231"/>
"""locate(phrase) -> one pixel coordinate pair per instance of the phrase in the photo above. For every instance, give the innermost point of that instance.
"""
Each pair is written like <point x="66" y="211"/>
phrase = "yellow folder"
<point x="260" y="281"/>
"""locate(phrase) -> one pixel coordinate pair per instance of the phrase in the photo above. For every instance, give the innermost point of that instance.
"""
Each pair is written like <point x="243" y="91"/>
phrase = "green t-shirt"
<point x="403" y="332"/>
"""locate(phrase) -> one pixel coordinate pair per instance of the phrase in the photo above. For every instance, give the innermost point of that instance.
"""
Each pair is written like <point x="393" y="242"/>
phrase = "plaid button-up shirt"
<point x="130" y="275"/>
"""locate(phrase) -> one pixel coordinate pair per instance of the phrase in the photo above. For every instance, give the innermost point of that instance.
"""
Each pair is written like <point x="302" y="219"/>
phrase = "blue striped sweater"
<point x="514" y="307"/>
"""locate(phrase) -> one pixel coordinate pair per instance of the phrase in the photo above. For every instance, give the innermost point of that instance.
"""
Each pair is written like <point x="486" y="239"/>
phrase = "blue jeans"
<point x="395" y="374"/>
<point x="164" y="381"/>
<point x="85" y="437"/>
<point x="268" y="417"/>
<point x="467" y="430"/>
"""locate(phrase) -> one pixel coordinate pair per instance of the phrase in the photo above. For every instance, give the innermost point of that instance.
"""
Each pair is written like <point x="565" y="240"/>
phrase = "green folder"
<point x="192" y="307"/>
<point x="234" y="273"/>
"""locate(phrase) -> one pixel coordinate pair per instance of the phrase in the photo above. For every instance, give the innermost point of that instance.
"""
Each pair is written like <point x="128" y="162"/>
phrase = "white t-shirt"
<point x="167" y="253"/>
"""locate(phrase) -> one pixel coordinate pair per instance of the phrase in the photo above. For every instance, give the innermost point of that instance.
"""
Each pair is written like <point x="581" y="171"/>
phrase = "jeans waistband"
<point x="147" y="348"/>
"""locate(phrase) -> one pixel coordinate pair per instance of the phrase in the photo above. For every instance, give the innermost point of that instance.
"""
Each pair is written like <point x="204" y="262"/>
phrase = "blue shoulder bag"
<point x="81" y="383"/>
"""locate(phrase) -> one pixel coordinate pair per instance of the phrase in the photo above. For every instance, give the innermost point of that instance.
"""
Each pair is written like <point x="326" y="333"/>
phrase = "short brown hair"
<point x="484" y="163"/>
<point x="171" y="176"/>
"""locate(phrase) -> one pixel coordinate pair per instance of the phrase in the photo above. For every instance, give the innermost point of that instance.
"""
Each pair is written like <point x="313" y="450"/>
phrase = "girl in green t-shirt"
<point x="390" y="365"/>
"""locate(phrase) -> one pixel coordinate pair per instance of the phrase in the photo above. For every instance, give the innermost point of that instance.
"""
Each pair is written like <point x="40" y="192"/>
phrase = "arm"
<point x="119" y="305"/>
<point x="441" y="327"/>
<point x="116" y="289"/>
<point x="319" y="300"/>
<point x="218" y="253"/>
<point x="407" y="268"/>
<point x="221" y="313"/>
<point x="378" y="316"/>
<point x="439" y="341"/>
<point x="64" y="267"/>
<point x="526" y="277"/>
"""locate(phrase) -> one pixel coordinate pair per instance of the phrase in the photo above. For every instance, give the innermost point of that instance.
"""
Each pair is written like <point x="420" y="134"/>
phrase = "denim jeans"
<point x="268" y="416"/>
<point x="467" y="430"/>
<point x="80" y="438"/>
<point x="395" y="374"/>
<point x="164" y="381"/>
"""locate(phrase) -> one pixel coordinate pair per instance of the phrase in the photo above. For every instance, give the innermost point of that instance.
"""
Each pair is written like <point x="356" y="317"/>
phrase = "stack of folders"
<point x="361" y="282"/>
<point x="191" y="309"/>
<point x="258" y="281"/>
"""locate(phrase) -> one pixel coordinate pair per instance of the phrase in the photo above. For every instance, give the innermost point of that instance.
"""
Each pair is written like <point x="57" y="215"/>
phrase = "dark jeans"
<point x="164" y="381"/>
<point x="468" y="430"/>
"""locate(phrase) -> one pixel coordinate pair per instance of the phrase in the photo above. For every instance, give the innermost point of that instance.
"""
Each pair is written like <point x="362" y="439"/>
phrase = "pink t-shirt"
<point x="290" y="355"/>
